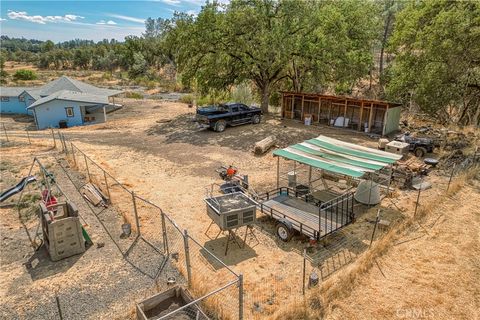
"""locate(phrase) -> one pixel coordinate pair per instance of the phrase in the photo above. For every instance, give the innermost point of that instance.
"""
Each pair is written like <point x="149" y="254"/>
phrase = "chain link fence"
<point x="155" y="245"/>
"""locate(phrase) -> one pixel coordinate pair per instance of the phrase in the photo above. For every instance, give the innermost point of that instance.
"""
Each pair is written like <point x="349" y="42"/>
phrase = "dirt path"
<point x="432" y="275"/>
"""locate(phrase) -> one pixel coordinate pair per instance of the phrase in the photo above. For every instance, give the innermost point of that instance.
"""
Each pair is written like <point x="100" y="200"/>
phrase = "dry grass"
<point x="321" y="301"/>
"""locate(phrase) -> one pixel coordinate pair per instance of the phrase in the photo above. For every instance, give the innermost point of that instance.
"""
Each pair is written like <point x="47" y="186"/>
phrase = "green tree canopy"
<point x="437" y="62"/>
<point x="264" y="40"/>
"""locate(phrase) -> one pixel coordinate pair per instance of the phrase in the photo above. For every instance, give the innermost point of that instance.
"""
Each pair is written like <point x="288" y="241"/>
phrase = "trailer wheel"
<point x="220" y="125"/>
<point x="256" y="119"/>
<point x="420" y="152"/>
<point x="284" y="232"/>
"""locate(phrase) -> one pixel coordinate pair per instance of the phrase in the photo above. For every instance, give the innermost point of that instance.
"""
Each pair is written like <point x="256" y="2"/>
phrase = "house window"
<point x="21" y="98"/>
<point x="5" y="99"/>
<point x="69" y="111"/>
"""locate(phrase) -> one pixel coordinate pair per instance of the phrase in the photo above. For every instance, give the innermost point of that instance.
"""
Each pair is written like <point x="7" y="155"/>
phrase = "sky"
<point x="91" y="20"/>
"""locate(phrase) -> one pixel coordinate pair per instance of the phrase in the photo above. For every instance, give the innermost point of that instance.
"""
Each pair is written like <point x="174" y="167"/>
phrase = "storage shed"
<point x="366" y="115"/>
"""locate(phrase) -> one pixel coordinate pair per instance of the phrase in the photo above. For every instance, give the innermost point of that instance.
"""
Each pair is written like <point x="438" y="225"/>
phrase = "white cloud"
<point x="127" y="18"/>
<point x="23" y="15"/>
<point x="171" y="2"/>
<point x="109" y="22"/>
<point x="192" y="12"/>
<point x="1" y="19"/>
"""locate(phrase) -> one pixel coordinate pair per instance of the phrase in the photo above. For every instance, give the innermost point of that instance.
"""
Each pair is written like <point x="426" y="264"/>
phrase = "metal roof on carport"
<point x="338" y="156"/>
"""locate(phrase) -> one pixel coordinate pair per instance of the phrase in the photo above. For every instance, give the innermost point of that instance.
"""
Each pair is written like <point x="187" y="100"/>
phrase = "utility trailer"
<point x="314" y="215"/>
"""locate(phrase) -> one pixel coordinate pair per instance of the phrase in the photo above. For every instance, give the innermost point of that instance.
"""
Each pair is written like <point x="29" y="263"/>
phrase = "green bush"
<point x="188" y="98"/>
<point x="214" y="97"/>
<point x="25" y="74"/>
<point x="133" y="95"/>
<point x="242" y="93"/>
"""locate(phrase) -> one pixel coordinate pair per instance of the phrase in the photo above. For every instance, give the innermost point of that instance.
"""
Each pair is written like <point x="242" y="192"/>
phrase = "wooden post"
<point x="370" y="118"/>
<point x="282" y="111"/>
<point x="302" y="116"/>
<point x="385" y="120"/>
<point x="293" y="106"/>
<point x="319" y="107"/>
<point x="329" y="111"/>
<point x="345" y="112"/>
<point x="28" y="136"/>
<point x="361" y="118"/>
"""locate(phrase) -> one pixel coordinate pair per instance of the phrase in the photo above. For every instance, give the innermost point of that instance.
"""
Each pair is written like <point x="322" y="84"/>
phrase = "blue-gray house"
<point x="62" y="102"/>
<point x="11" y="101"/>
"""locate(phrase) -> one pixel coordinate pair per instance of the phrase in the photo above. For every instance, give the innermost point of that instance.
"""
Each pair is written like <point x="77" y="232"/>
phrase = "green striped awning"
<point x="338" y="156"/>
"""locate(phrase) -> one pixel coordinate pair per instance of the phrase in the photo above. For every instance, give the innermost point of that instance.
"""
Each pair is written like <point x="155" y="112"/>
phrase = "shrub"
<point x="25" y="74"/>
<point x="188" y="98"/>
<point x="242" y="93"/>
<point x="133" y="95"/>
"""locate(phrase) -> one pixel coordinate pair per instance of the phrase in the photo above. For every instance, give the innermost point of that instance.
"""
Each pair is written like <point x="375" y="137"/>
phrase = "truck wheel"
<point x="283" y="232"/>
<point x="420" y="152"/>
<point x="220" y="126"/>
<point x="256" y="119"/>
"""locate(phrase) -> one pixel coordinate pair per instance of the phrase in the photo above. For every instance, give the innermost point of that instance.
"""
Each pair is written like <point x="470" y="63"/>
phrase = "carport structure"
<point x="311" y="206"/>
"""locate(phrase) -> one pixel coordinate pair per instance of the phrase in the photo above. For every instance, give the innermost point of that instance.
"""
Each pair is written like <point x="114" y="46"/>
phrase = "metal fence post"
<point x="240" y="296"/>
<point x="106" y="185"/>
<point x="5" y="130"/>
<point x="86" y="164"/>
<point x="304" y="269"/>
<point x="187" y="258"/>
<point x="451" y="176"/>
<point x="28" y="136"/>
<point x="418" y="199"/>
<point x="54" y="141"/>
<point x="137" y="222"/>
<point x="73" y="154"/>
<point x="164" y="232"/>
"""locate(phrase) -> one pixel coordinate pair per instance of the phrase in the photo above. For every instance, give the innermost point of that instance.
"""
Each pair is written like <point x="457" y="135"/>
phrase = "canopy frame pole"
<point x="278" y="172"/>
<point x="310" y="179"/>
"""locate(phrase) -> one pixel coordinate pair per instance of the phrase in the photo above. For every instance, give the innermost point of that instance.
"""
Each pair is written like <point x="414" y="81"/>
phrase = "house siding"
<point x="13" y="106"/>
<point x="51" y="113"/>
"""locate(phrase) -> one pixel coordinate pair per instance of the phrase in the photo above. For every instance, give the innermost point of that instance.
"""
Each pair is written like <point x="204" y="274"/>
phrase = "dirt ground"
<point x="433" y="273"/>
<point x="155" y="148"/>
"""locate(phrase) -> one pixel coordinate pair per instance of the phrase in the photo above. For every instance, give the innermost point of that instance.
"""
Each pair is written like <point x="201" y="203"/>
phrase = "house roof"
<point x="338" y="156"/>
<point x="12" y="91"/>
<point x="34" y="93"/>
<point x="71" y="96"/>
<point x="66" y="83"/>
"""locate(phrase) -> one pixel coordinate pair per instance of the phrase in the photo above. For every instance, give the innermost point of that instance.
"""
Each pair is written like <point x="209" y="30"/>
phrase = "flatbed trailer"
<point x="313" y="215"/>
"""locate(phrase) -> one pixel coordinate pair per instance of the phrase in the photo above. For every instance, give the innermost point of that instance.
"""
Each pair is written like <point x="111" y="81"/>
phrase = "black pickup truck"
<point x="229" y="114"/>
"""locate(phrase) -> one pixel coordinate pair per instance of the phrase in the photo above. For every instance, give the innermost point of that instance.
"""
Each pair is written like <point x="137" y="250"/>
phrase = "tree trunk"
<point x="265" y="91"/>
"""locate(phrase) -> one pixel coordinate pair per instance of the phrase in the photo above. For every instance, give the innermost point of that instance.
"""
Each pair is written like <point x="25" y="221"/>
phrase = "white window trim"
<point x="72" y="114"/>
